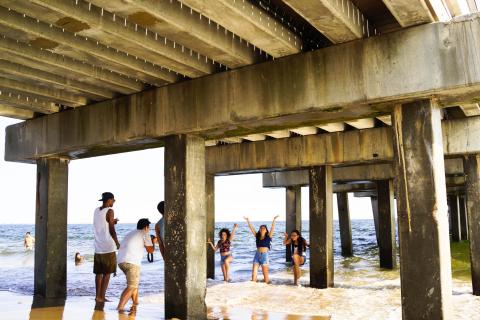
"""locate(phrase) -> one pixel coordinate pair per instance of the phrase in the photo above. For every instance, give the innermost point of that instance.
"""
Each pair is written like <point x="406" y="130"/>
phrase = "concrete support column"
<point x="321" y="227"/>
<point x="462" y="205"/>
<point x="185" y="227"/>
<point x="387" y="246"/>
<point x="50" y="276"/>
<point x="472" y="186"/>
<point x="454" y="218"/>
<point x="210" y="198"/>
<point x="425" y="269"/>
<point x="293" y="214"/>
<point x="374" y="201"/>
<point x="344" y="224"/>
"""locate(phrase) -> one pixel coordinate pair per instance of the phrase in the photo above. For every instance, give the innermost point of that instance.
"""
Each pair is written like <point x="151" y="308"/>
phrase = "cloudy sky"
<point x="136" y="179"/>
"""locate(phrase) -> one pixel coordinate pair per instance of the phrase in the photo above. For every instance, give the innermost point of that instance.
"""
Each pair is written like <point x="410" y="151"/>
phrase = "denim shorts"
<point x="261" y="258"/>
<point x="223" y="258"/>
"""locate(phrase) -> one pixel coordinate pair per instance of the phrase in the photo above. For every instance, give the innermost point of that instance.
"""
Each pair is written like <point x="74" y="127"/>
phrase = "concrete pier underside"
<point x="437" y="62"/>
<point x="315" y="87"/>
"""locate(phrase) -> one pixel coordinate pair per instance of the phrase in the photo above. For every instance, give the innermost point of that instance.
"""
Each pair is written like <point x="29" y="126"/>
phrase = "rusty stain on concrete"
<point x="43" y="43"/>
<point x="71" y="24"/>
<point x="143" y="18"/>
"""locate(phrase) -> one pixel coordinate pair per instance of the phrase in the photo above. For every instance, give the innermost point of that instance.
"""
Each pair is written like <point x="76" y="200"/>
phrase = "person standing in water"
<point x="298" y="247"/>
<point x="263" y="239"/>
<point x="160" y="229"/>
<point x="28" y="241"/>
<point x="106" y="243"/>
<point x="224" y="244"/>
<point x="129" y="261"/>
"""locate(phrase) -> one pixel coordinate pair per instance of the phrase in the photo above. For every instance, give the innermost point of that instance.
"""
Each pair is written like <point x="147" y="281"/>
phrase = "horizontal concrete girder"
<point x="17" y="100"/>
<point x="338" y="21"/>
<point x="251" y="23"/>
<point x="118" y="82"/>
<point x="13" y="112"/>
<point x="58" y="96"/>
<point x="155" y="48"/>
<point x="326" y="85"/>
<point x="177" y="22"/>
<point x="365" y="172"/>
<point x="460" y="136"/>
<point x="412" y="12"/>
<point x="15" y="20"/>
<point x="98" y="93"/>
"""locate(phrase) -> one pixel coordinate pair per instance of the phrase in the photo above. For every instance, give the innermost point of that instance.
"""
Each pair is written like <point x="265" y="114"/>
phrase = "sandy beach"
<point x="363" y="296"/>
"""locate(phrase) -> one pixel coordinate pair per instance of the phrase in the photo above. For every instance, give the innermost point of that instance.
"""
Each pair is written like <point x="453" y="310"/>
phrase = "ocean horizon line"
<point x="133" y="222"/>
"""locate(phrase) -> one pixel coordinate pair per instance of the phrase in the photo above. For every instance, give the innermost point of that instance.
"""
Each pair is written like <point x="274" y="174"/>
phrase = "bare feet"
<point x="133" y="310"/>
<point x="99" y="305"/>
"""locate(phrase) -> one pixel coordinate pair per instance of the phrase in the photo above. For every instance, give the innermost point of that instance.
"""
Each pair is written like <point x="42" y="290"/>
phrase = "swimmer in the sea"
<point x="28" y="241"/>
<point x="79" y="259"/>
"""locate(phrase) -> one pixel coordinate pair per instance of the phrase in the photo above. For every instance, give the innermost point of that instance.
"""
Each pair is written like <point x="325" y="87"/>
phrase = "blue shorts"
<point x="223" y="258"/>
<point x="261" y="258"/>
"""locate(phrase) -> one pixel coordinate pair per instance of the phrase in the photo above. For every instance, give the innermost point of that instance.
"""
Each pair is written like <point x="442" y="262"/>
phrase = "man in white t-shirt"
<point x="129" y="260"/>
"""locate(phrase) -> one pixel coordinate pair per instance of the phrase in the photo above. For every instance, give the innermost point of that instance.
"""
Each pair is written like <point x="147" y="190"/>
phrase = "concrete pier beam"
<point x="293" y="214"/>
<point x="454" y="218"/>
<point x="387" y="246"/>
<point x="185" y="227"/>
<point x="472" y="184"/>
<point x="462" y="205"/>
<point x="374" y="201"/>
<point x="210" y="198"/>
<point x="50" y="275"/>
<point x="425" y="269"/>
<point x="344" y="224"/>
<point x="321" y="227"/>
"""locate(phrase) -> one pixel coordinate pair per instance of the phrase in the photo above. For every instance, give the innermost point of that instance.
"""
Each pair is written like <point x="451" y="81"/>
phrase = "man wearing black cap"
<point x="129" y="260"/>
<point x="106" y="243"/>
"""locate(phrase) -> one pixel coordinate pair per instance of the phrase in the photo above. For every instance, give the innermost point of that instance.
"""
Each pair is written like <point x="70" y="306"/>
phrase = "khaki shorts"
<point x="132" y="272"/>
<point x="104" y="263"/>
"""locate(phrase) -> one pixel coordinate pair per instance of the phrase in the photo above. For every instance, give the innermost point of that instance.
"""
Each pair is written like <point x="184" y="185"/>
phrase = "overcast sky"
<point x="136" y="179"/>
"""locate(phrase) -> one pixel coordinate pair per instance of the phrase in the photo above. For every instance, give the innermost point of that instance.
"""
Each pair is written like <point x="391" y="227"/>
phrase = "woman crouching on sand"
<point x="263" y="240"/>
<point x="224" y="244"/>
<point x="298" y="247"/>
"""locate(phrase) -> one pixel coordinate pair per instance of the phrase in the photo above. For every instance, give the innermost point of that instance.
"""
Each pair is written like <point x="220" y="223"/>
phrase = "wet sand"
<point x="16" y="307"/>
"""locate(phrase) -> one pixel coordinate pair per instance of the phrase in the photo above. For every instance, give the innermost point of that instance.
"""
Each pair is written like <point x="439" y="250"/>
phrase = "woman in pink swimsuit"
<point x="223" y="245"/>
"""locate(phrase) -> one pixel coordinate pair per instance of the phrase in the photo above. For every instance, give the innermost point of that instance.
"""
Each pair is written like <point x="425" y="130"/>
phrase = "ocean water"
<point x="16" y="264"/>
<point x="362" y="290"/>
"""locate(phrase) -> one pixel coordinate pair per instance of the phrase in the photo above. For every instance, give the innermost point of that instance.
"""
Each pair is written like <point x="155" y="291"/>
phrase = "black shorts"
<point x="105" y="263"/>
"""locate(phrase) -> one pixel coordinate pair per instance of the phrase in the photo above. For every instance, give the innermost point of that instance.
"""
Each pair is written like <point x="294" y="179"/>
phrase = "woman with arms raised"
<point x="263" y="239"/>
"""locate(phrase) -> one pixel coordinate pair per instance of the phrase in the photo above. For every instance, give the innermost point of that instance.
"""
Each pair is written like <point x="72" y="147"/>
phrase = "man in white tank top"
<point x="106" y="243"/>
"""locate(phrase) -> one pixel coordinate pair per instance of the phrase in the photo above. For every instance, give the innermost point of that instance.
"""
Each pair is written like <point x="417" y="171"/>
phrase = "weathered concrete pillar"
<point x="293" y="214"/>
<point x="454" y="218"/>
<point x="374" y="201"/>
<point x="185" y="227"/>
<point x="387" y="247"/>
<point x="472" y="186"/>
<point x="50" y="276"/>
<point x="463" y="217"/>
<point x="210" y="198"/>
<point x="425" y="269"/>
<point x="321" y="227"/>
<point x="344" y="224"/>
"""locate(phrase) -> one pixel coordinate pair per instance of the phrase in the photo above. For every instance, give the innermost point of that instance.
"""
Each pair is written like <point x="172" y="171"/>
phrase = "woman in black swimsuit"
<point x="224" y="244"/>
<point x="298" y="246"/>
